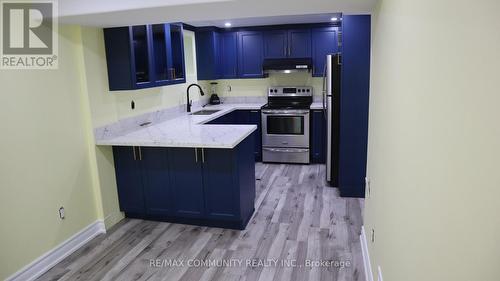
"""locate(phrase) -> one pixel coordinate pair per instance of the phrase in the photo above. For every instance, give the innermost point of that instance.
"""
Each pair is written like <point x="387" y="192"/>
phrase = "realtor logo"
<point x="29" y="35"/>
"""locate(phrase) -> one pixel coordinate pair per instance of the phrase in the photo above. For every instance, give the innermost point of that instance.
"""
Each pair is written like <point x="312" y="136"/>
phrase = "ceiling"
<point x="255" y="21"/>
<point x="108" y="13"/>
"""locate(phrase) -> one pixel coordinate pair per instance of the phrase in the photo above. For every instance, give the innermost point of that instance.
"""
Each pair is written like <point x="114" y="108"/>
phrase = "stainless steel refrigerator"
<point x="331" y="107"/>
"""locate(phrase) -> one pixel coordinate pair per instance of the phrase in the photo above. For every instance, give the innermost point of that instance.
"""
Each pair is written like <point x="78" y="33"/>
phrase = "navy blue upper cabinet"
<point x="229" y="55"/>
<point x="299" y="43"/>
<point x="177" y="69"/>
<point x="293" y="43"/>
<point x="275" y="44"/>
<point x="250" y="54"/>
<point x="144" y="56"/>
<point x="208" y="58"/>
<point x="324" y="41"/>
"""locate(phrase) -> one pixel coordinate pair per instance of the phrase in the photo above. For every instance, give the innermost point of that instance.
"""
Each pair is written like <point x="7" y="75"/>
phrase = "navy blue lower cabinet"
<point x="245" y="117"/>
<point x="318" y="136"/>
<point x="229" y="183"/>
<point x="210" y="187"/>
<point x="219" y="184"/>
<point x="129" y="180"/>
<point x="254" y="118"/>
<point x="156" y="180"/>
<point x="187" y="182"/>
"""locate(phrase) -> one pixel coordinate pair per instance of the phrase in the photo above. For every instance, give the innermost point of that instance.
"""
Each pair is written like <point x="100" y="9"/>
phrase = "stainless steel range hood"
<point x="287" y="65"/>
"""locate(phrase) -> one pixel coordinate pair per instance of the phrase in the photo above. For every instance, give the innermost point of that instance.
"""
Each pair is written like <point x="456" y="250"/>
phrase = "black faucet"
<point x="189" y="102"/>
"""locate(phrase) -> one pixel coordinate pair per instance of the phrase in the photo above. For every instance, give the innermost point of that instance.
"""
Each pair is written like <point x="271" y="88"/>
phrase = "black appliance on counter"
<point x="214" y="98"/>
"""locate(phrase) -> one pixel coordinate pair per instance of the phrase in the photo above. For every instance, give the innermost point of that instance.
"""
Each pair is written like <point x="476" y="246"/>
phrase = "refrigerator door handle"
<point x="324" y="90"/>
<point x="329" y="116"/>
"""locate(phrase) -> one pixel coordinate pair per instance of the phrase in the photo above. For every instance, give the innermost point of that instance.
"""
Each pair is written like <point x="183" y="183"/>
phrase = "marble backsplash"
<point x="127" y="125"/>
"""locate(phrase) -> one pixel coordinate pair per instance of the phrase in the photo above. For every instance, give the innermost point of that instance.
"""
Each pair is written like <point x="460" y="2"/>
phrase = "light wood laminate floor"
<point x="297" y="220"/>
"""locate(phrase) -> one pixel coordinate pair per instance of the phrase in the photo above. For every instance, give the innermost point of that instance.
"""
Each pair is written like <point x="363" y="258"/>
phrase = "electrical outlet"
<point x="62" y="214"/>
<point x="373" y="236"/>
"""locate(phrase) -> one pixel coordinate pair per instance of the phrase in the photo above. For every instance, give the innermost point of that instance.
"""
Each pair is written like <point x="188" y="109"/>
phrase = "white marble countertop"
<point x="317" y="105"/>
<point x="188" y="131"/>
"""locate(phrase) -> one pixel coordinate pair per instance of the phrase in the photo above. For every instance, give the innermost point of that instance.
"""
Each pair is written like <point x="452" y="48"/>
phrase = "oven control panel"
<point x="290" y="91"/>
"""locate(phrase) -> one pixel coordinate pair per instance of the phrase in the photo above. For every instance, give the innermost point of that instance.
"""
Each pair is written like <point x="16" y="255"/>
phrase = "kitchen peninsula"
<point x="183" y="170"/>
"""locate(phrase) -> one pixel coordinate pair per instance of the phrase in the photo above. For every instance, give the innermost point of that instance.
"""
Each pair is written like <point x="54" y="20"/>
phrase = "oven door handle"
<point x="286" y="112"/>
<point x="285" y="149"/>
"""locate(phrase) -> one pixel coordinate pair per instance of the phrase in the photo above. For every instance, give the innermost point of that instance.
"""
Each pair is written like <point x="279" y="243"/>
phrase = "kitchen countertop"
<point x="317" y="105"/>
<point x="188" y="131"/>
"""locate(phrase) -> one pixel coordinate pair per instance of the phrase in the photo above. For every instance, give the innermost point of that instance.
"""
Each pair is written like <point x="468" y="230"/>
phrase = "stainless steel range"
<point x="285" y="125"/>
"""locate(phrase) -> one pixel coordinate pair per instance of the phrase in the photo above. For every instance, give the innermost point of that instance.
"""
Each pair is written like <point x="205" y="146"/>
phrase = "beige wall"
<point x="434" y="140"/>
<point x="109" y="106"/>
<point x="258" y="87"/>
<point x="45" y="161"/>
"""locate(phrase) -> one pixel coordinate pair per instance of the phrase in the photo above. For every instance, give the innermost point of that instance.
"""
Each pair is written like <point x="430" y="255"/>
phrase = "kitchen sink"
<point x="205" y="112"/>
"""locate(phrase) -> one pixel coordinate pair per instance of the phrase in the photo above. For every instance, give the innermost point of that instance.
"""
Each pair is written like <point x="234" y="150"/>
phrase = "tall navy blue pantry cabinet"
<point x="202" y="186"/>
<point x="354" y="101"/>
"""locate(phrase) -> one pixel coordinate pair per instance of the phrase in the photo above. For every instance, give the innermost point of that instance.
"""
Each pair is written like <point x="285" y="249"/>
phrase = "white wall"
<point x="434" y="140"/>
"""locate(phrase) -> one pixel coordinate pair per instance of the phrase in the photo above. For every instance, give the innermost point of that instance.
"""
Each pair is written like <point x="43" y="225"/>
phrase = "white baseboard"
<point x="45" y="262"/>
<point x="113" y="219"/>
<point x="380" y="274"/>
<point x="366" y="255"/>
